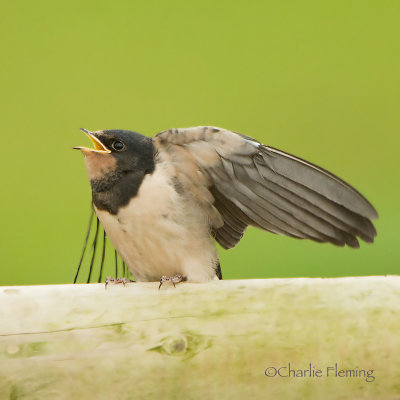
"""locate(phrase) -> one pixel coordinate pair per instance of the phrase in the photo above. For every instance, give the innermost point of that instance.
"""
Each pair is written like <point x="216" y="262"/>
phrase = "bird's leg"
<point x="117" y="281"/>
<point x="174" y="279"/>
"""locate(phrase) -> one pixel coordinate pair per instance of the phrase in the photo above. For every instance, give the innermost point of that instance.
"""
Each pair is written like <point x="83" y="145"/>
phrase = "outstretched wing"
<point x="258" y="185"/>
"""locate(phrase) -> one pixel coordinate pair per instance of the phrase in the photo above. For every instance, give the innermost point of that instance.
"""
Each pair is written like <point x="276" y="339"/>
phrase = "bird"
<point x="165" y="201"/>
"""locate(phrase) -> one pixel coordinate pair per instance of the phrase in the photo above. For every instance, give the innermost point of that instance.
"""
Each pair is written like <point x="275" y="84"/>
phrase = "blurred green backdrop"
<point x="318" y="79"/>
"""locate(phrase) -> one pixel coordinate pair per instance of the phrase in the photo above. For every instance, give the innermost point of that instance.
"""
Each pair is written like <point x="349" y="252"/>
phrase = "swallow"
<point x="164" y="201"/>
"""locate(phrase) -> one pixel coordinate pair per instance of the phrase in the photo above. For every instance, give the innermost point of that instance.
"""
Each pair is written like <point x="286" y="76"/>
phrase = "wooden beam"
<point x="198" y="341"/>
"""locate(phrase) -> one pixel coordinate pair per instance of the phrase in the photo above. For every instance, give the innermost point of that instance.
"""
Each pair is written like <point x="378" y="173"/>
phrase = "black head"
<point x="117" y="166"/>
<point x="131" y="150"/>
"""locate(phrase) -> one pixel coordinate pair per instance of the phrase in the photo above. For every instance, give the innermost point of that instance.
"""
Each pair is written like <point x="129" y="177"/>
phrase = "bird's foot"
<point x="117" y="281"/>
<point x="174" y="279"/>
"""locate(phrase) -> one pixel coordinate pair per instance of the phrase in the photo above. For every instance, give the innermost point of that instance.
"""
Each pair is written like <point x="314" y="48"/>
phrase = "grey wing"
<point x="254" y="184"/>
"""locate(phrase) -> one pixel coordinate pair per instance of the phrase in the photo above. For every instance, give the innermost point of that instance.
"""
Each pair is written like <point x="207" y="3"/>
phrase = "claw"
<point x="174" y="279"/>
<point x="117" y="281"/>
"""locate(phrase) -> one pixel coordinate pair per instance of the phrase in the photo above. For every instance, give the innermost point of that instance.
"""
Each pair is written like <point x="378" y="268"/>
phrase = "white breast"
<point x="161" y="233"/>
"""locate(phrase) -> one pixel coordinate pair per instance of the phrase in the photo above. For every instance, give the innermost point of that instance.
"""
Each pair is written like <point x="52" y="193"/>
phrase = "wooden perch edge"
<point x="199" y="341"/>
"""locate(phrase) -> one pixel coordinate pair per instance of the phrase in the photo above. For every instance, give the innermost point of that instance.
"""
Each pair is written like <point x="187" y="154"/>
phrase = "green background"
<point x="318" y="79"/>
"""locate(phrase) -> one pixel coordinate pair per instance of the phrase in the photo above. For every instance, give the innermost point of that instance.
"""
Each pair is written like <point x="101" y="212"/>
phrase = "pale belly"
<point x="158" y="234"/>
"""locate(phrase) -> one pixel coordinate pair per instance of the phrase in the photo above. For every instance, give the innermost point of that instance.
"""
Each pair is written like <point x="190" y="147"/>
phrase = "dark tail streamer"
<point x="93" y="259"/>
<point x="116" y="264"/>
<point x="85" y="244"/>
<point x="103" y="254"/>
<point x="94" y="246"/>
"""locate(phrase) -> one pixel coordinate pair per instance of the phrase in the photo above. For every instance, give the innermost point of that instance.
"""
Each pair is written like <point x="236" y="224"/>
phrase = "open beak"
<point x="98" y="146"/>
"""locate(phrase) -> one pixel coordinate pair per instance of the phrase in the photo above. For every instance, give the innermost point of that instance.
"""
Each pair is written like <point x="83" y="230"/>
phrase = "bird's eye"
<point x="118" y="145"/>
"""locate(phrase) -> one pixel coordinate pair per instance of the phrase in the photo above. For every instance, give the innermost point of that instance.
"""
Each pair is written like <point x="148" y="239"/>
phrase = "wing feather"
<point x="254" y="184"/>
